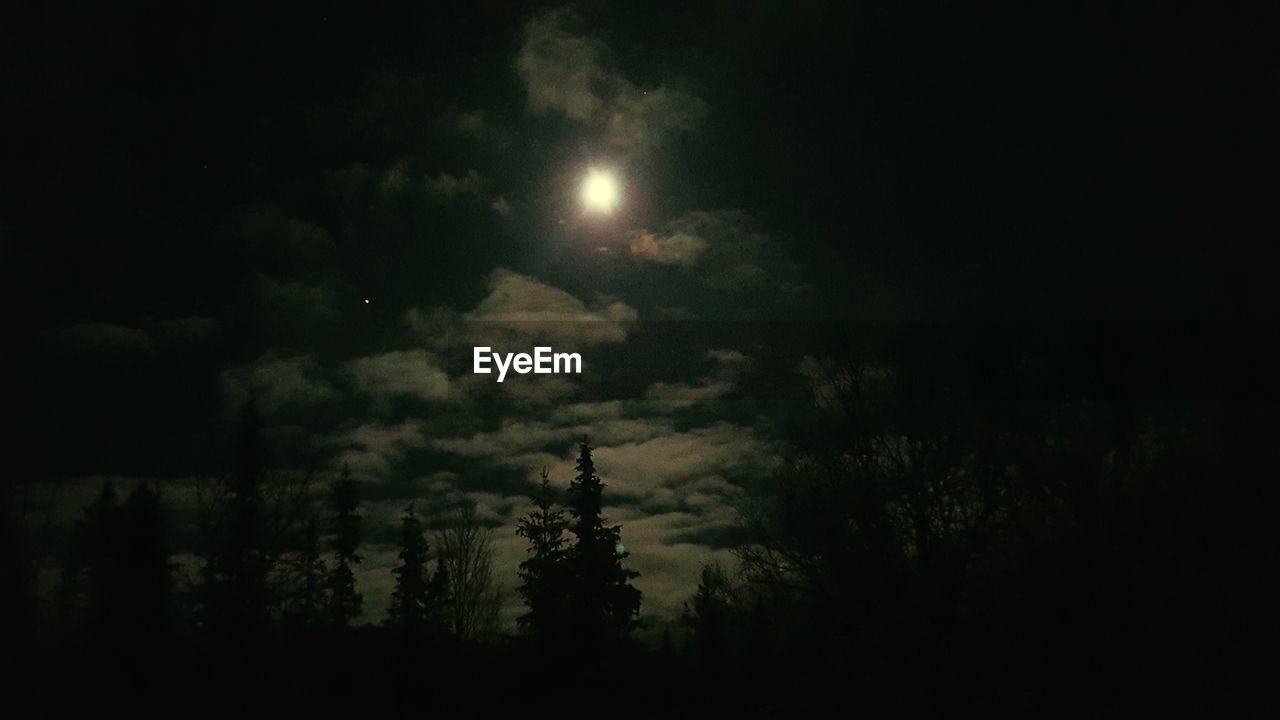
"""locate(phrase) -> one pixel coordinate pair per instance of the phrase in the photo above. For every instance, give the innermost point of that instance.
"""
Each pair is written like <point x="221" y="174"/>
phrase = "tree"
<point x="250" y="522"/>
<point x="603" y="603"/>
<point x="309" y="600"/>
<point x="344" y="527"/>
<point x="710" y="615"/>
<point x="466" y="556"/>
<point x="234" y="592"/>
<point x="120" y="561"/>
<point x="145" y="573"/>
<point x="414" y="601"/>
<point x="91" y="574"/>
<point x="544" y="572"/>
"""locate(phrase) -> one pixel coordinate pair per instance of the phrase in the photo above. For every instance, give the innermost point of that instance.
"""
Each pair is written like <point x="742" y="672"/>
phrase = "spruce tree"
<point x="544" y="572"/>
<point x="234" y="591"/>
<point x="413" y="601"/>
<point x="119" y="550"/>
<point x="344" y="527"/>
<point x="144" y="570"/>
<point x="309" y="603"/>
<point x="95" y="557"/>
<point x="709" y="619"/>
<point x="603" y="603"/>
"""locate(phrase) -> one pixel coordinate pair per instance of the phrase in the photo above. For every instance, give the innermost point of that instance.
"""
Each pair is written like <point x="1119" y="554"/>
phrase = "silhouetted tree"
<point x="544" y="573"/>
<point x="307" y="606"/>
<point x="91" y="576"/>
<point x="416" y="597"/>
<point x="466" y="556"/>
<point x="17" y="581"/>
<point x="250" y="523"/>
<point x="603" y="604"/>
<point x="344" y="527"/>
<point x="120" y="568"/>
<point x="144" y="568"/>
<point x="709" y="616"/>
<point x="233" y="592"/>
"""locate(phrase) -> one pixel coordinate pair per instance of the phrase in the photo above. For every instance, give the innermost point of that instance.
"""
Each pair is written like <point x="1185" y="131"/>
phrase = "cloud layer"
<point x="567" y="72"/>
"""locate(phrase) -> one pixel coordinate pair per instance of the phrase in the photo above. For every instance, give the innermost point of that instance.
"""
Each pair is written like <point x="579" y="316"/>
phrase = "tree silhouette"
<point x="344" y="527"/>
<point x="309" y="600"/>
<point x="233" y="592"/>
<point x="91" y="575"/>
<point x="416" y="597"/>
<point x="144" y="568"/>
<point x="603" y="604"/>
<point x="472" y="600"/>
<point x="544" y="573"/>
<point x="120" y="566"/>
<point x="709" y="617"/>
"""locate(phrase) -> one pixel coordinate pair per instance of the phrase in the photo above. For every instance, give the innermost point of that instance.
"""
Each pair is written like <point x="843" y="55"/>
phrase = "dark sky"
<point x="318" y="205"/>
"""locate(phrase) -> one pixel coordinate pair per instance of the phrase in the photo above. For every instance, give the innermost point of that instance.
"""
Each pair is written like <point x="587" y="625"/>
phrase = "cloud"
<point x="517" y="314"/>
<point x="719" y="263"/>
<point x="675" y="396"/>
<point x="500" y="206"/>
<point x="567" y="72"/>
<point x="649" y="465"/>
<point x="515" y="442"/>
<point x="678" y="460"/>
<point x="538" y="390"/>
<point x="372" y="448"/>
<point x="273" y="382"/>
<point x="411" y="373"/>
<point x="727" y="358"/>
<point x="477" y="126"/>
<point x="284" y="246"/>
<point x="669" y="567"/>
<point x="472" y="124"/>
<point x="450" y="187"/>
<point x="676" y="249"/>
<point x="520" y="308"/>
<point x="404" y="179"/>
<point x="290" y="308"/>
<point x="98" y="336"/>
<point x="725" y="242"/>
<point x="192" y="329"/>
<point x="587" y="412"/>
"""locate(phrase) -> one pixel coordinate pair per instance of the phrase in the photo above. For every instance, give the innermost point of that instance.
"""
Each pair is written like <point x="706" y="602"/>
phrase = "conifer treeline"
<point x="263" y="564"/>
<point x="577" y="590"/>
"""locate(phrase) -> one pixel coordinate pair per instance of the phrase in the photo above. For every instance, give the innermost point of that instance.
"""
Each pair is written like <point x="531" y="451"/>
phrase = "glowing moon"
<point x="600" y="192"/>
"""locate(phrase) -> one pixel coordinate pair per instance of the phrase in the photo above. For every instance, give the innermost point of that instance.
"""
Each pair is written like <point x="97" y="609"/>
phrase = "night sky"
<point x="322" y="208"/>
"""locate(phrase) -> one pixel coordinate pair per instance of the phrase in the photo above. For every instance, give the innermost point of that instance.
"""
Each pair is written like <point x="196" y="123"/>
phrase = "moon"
<point x="601" y="192"/>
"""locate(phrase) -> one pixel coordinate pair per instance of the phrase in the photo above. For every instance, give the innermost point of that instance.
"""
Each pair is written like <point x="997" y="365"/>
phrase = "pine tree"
<point x="344" y="527"/>
<point x="234" y="590"/>
<point x="413" y="601"/>
<point x="603" y="603"/>
<point x="309" y="602"/>
<point x="544" y="572"/>
<point x="709" y="618"/>
<point x="144" y="570"/>
<point x="95" y="556"/>
<point x="120" y="563"/>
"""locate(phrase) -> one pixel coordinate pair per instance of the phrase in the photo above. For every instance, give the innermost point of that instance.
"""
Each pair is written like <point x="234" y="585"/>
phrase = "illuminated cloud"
<point x="520" y="308"/>
<point x="413" y="373"/>
<point x="567" y="72"/>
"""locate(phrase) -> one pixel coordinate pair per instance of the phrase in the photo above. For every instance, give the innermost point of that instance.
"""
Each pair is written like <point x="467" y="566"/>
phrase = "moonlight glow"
<point x="600" y="192"/>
